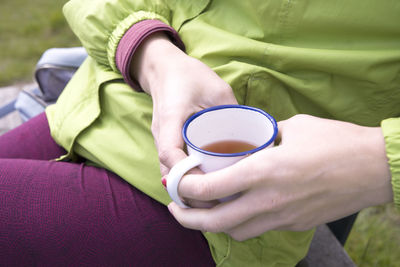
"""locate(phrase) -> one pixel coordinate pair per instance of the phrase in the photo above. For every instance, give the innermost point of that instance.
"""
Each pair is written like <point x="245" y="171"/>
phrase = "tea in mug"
<point x="229" y="147"/>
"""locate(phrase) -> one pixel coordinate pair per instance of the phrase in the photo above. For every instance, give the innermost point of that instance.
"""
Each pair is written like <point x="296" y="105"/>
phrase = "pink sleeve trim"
<point x="131" y="41"/>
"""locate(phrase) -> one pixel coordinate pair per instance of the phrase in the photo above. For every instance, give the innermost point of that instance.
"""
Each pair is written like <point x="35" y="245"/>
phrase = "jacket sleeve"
<point x="131" y="41"/>
<point x="101" y="24"/>
<point x="391" y="133"/>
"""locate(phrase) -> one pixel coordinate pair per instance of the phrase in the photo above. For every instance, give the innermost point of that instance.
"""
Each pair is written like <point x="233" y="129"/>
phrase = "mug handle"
<point x="175" y="175"/>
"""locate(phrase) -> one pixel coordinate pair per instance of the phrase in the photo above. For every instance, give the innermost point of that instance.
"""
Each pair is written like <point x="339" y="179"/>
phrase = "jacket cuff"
<point x="391" y="133"/>
<point x="131" y="41"/>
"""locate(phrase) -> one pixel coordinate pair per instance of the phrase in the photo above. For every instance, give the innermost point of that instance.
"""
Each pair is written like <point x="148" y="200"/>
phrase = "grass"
<point x="375" y="238"/>
<point x="28" y="28"/>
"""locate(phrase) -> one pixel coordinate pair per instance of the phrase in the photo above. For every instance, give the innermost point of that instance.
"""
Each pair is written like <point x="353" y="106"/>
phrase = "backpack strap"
<point x="29" y="103"/>
<point x="7" y="108"/>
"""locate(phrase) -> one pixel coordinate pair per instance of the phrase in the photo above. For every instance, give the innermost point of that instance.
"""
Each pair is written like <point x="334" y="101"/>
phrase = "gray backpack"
<point x="53" y="71"/>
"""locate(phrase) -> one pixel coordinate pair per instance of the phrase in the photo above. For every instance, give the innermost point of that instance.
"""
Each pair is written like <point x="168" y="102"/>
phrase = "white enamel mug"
<point x="220" y="123"/>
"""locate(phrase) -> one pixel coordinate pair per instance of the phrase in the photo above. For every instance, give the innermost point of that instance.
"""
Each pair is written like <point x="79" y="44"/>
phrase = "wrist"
<point x="380" y="165"/>
<point x="133" y="38"/>
<point x="151" y="60"/>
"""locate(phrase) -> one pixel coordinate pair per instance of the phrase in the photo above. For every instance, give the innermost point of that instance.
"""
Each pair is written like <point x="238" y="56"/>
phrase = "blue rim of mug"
<point x="194" y="116"/>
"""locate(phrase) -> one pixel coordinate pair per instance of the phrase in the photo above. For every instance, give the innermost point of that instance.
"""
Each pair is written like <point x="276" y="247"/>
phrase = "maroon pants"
<point x="70" y="214"/>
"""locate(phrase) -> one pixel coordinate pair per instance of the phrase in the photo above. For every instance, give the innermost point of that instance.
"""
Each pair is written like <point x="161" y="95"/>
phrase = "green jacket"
<point x="334" y="59"/>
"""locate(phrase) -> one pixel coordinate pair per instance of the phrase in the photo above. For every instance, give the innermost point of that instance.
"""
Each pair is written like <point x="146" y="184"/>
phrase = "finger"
<point x="228" y="181"/>
<point x="164" y="170"/>
<point x="169" y="156"/>
<point x="170" y="143"/>
<point x="169" y="152"/>
<point x="205" y="220"/>
<point x="200" y="204"/>
<point x="281" y="127"/>
<point x="256" y="226"/>
<point x="269" y="221"/>
<point x="220" y="218"/>
<point x="192" y="202"/>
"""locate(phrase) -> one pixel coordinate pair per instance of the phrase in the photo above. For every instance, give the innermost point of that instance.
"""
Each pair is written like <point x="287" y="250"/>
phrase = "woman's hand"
<point x="321" y="171"/>
<point x="180" y="86"/>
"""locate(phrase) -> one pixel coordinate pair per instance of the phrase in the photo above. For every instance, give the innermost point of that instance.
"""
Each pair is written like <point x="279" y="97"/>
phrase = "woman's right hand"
<point x="180" y="86"/>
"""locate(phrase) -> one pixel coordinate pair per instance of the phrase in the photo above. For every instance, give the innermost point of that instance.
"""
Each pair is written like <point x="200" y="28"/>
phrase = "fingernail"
<point x="170" y="208"/>
<point x="164" y="182"/>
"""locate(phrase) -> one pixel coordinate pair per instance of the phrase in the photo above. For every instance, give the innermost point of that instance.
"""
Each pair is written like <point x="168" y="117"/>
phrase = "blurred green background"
<point x="375" y="237"/>
<point x="28" y="28"/>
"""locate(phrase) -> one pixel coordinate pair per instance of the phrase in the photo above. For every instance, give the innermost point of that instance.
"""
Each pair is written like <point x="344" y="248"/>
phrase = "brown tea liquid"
<point x="229" y="147"/>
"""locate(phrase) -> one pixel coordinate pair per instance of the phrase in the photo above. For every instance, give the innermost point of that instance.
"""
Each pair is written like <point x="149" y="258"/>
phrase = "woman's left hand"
<point x="322" y="170"/>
